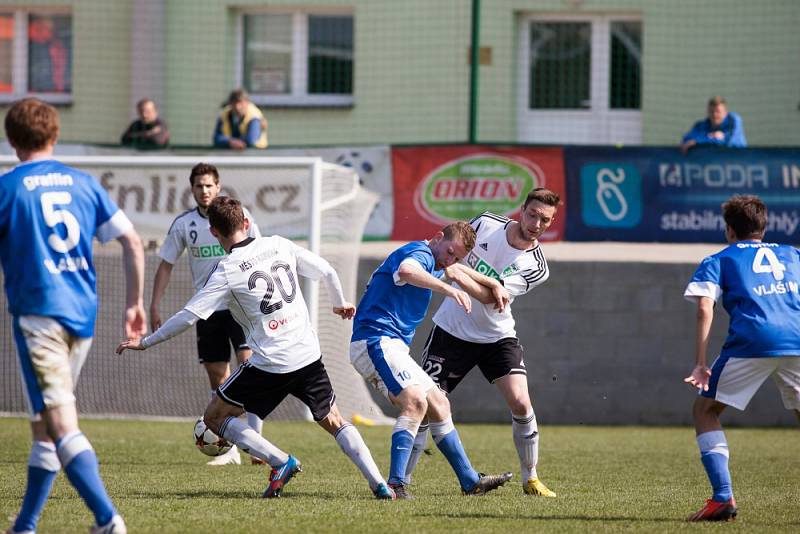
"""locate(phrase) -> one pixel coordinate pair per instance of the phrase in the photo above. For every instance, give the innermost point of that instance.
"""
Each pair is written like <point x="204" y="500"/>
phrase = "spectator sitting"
<point x="148" y="131"/>
<point x="240" y="124"/>
<point x="721" y="128"/>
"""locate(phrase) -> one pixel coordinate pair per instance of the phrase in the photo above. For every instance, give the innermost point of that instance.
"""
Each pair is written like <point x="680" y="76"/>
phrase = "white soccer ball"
<point x="208" y="442"/>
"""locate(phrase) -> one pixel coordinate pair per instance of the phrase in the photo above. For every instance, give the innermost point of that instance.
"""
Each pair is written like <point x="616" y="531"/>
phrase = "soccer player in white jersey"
<point x="759" y="284"/>
<point x="220" y="332"/>
<point x="258" y="280"/>
<point x="394" y="303"/>
<point x="49" y="215"/>
<point x="507" y="251"/>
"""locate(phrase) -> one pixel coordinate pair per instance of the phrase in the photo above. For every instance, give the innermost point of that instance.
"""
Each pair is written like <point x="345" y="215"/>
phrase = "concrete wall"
<point x="605" y="343"/>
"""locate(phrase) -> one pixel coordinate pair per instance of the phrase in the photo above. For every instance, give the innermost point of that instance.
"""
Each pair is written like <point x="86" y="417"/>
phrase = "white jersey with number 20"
<point x="259" y="281"/>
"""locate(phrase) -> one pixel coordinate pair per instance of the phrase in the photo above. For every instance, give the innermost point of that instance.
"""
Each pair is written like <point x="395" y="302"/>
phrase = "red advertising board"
<point x="436" y="185"/>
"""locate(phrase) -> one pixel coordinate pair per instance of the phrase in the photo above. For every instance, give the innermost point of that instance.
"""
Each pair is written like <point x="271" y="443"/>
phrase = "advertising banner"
<point x="659" y="194"/>
<point x="154" y="190"/>
<point x="436" y="185"/>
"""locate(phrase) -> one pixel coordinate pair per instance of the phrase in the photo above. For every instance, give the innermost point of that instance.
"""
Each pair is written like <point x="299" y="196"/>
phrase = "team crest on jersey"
<point x="208" y="251"/>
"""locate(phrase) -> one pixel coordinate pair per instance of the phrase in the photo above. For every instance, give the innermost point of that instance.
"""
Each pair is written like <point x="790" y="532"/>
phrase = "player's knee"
<point x="520" y="406"/>
<point x="438" y="404"/>
<point x="415" y="405"/>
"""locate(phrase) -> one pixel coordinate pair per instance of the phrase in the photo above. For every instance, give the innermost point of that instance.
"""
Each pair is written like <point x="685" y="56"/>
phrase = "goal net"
<point x="318" y="204"/>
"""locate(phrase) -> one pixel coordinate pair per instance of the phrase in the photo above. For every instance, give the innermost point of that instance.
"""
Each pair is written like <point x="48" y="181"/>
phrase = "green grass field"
<point x="623" y="479"/>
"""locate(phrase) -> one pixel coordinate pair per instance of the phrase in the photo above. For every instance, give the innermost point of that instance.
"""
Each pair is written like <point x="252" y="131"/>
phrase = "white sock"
<point x="420" y="442"/>
<point x="253" y="444"/>
<point x="352" y="444"/>
<point x="526" y="439"/>
<point x="255" y="422"/>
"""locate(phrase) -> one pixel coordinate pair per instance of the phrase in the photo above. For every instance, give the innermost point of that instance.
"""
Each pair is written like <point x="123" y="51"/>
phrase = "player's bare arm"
<point x="705" y="316"/>
<point x="482" y="288"/>
<point x="416" y="276"/>
<point x="160" y="283"/>
<point x="133" y="260"/>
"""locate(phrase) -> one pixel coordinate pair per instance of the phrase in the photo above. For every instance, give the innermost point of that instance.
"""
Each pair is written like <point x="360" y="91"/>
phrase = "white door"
<point x="580" y="79"/>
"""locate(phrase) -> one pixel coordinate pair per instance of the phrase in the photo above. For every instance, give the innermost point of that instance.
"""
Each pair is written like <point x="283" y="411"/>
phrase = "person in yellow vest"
<point x="240" y="124"/>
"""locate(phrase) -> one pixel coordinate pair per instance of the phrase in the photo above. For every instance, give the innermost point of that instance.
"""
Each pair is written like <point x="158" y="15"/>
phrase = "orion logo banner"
<point x="611" y="195"/>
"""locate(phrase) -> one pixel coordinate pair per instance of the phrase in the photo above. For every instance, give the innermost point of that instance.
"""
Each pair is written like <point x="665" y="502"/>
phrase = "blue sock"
<point x="714" y="455"/>
<point x="80" y="465"/>
<point x="405" y="430"/>
<point x="446" y="438"/>
<point x="43" y="467"/>
<point x="402" y="441"/>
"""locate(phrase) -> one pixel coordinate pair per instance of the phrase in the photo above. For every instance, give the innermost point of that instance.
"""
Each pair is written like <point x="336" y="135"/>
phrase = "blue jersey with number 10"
<point x="390" y="308"/>
<point x="760" y="288"/>
<point x="49" y="214"/>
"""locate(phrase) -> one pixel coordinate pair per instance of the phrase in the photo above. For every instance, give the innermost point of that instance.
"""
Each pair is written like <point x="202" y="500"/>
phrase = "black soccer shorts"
<point x="447" y="359"/>
<point x="216" y="335"/>
<point x="260" y="392"/>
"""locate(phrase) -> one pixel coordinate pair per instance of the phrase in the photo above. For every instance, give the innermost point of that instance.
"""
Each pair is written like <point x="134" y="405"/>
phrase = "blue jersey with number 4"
<point x="49" y="214"/>
<point x="390" y="307"/>
<point x="760" y="288"/>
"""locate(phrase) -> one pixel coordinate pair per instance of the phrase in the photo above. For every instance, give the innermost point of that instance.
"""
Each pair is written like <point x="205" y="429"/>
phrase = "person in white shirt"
<point x="258" y="280"/>
<point x="508" y="251"/>
<point x="217" y="334"/>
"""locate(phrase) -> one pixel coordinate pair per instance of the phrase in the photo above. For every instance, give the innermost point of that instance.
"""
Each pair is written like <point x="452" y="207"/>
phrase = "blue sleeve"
<point x="253" y="132"/>
<point x="106" y="208"/>
<point x="425" y="258"/>
<point x="698" y="133"/>
<point x="735" y="137"/>
<point x="220" y="140"/>
<point x="709" y="271"/>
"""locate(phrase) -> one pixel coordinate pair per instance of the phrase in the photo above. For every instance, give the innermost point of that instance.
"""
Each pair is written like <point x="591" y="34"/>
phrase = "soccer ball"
<point x="207" y="442"/>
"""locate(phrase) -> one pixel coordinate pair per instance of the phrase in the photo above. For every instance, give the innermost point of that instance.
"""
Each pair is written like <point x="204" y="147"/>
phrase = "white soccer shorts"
<point x="50" y="362"/>
<point x="736" y="380"/>
<point x="387" y="365"/>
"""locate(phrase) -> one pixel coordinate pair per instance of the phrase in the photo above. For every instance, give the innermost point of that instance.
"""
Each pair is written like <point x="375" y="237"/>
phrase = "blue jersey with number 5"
<point x="49" y="214"/>
<point x="760" y="288"/>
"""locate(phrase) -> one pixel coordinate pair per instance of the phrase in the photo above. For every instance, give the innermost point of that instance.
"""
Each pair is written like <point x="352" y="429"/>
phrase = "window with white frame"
<point x="297" y="58"/>
<point x="36" y="54"/>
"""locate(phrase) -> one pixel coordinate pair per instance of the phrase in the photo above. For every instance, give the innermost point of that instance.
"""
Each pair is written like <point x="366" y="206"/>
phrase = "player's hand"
<point x="135" y="321"/>
<point x="133" y="344"/>
<point x="348" y="311"/>
<point x="699" y="377"/>
<point x="501" y="298"/>
<point x="463" y="299"/>
<point x="155" y="320"/>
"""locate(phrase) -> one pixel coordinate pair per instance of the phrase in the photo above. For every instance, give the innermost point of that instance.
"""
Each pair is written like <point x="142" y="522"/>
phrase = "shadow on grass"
<point x="545" y="517"/>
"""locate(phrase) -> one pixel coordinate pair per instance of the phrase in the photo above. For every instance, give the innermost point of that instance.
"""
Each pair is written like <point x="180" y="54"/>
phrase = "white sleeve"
<point x="254" y="230"/>
<point x="117" y="225"/>
<point x="407" y="261"/>
<point x="211" y="296"/>
<point x="695" y="290"/>
<point x="171" y="328"/>
<point x="315" y="267"/>
<point x="173" y="245"/>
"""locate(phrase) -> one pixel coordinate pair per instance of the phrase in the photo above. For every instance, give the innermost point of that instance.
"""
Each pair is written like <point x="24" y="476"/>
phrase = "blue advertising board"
<point x="659" y="194"/>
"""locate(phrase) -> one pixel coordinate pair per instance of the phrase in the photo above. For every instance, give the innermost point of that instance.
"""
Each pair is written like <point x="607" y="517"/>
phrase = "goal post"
<point x="319" y="204"/>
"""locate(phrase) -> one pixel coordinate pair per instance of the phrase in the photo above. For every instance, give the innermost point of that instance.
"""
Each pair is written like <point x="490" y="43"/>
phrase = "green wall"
<point x="411" y="71"/>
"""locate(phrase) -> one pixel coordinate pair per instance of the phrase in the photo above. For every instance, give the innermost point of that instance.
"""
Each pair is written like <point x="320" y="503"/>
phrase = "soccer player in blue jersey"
<point x="759" y="284"/>
<point x="393" y="305"/>
<point x="49" y="215"/>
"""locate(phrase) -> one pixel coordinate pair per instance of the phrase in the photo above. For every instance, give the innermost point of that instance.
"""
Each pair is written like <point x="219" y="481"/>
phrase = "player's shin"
<point x="445" y="436"/>
<point x="420" y="442"/>
<point x="714" y="455"/>
<point x="43" y="466"/>
<point x="405" y="429"/>
<point x="80" y="464"/>
<point x="252" y="443"/>
<point x="352" y="444"/>
<point x="526" y="438"/>
<point x="255" y="422"/>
